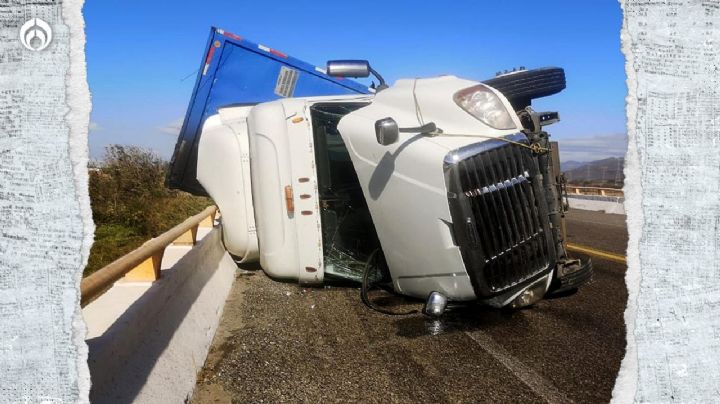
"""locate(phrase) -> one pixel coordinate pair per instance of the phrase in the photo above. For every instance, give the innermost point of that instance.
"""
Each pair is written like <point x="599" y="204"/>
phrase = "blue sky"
<point x="140" y="54"/>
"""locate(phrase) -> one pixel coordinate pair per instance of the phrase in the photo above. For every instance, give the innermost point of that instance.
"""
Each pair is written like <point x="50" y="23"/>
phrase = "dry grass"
<point x="131" y="204"/>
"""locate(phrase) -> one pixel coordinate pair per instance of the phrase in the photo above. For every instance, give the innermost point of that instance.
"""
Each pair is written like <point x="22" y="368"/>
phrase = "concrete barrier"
<point x="153" y="351"/>
<point x="598" y="203"/>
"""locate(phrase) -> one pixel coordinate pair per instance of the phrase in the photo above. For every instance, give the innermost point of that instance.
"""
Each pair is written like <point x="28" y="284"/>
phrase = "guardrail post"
<point x="187" y="238"/>
<point x="148" y="270"/>
<point x="209" y="221"/>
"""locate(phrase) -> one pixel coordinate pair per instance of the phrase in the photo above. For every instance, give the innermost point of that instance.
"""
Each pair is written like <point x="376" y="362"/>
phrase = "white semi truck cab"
<point x="445" y="188"/>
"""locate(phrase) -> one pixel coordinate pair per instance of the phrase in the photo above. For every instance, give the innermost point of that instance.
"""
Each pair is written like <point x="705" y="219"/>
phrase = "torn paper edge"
<point x="626" y="383"/>
<point x="78" y="119"/>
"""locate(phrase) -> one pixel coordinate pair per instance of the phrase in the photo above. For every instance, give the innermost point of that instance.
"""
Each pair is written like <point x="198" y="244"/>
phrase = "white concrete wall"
<point x="609" y="205"/>
<point x="153" y="351"/>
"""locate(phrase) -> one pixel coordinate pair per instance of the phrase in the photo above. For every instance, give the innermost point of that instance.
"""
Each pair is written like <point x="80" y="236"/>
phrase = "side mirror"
<point x="386" y="131"/>
<point x="348" y="68"/>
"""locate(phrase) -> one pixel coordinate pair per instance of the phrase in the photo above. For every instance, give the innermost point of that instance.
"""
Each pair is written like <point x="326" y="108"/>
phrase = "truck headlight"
<point x="482" y="103"/>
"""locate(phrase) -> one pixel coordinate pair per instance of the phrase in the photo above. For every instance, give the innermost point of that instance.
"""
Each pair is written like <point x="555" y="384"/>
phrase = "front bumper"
<point x="571" y="276"/>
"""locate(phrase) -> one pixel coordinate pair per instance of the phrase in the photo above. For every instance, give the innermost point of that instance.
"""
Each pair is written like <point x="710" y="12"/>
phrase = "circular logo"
<point x="35" y="34"/>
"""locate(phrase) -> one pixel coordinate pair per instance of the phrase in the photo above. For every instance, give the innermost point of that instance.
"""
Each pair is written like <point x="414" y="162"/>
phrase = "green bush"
<point x="130" y="203"/>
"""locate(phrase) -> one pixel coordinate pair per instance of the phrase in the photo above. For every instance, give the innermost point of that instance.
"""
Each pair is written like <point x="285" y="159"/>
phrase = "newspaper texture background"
<point x="44" y="206"/>
<point x="672" y="202"/>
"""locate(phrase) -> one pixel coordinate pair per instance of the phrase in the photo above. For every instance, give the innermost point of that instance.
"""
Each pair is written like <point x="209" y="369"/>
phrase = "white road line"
<point x="538" y="384"/>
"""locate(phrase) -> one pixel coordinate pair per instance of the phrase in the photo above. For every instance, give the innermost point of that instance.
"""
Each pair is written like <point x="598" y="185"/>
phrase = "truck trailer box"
<point x="235" y="71"/>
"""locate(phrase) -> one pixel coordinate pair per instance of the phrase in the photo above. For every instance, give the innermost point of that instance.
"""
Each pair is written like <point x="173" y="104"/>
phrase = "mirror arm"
<point x="382" y="84"/>
<point x="429" y="127"/>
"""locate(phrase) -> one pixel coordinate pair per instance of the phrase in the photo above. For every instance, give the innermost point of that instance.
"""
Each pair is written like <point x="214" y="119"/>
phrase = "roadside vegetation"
<point x="130" y="203"/>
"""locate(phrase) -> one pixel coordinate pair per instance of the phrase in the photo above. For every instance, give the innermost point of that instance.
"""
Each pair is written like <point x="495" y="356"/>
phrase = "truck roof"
<point x="235" y="71"/>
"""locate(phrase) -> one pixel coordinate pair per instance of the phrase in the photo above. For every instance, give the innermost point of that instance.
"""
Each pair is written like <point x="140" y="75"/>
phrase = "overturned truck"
<point x="442" y="188"/>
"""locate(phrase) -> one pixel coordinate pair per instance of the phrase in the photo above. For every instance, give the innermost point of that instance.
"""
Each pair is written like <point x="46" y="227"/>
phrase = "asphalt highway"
<point x="279" y="342"/>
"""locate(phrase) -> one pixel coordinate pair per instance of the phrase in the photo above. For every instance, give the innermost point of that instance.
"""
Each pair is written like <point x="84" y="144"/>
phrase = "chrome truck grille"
<point x="499" y="214"/>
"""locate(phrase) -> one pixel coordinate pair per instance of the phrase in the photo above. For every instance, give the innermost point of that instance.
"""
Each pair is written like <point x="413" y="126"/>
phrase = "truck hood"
<point x="413" y="102"/>
<point x="404" y="183"/>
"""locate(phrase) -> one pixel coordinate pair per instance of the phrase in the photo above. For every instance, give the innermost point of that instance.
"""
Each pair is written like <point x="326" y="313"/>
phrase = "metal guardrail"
<point x="578" y="190"/>
<point x="143" y="263"/>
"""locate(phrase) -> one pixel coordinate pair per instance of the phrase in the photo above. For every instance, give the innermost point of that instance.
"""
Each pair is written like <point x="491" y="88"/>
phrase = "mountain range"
<point x="606" y="172"/>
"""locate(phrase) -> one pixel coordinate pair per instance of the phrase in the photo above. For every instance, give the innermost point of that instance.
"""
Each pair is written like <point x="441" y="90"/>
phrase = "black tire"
<point x="523" y="86"/>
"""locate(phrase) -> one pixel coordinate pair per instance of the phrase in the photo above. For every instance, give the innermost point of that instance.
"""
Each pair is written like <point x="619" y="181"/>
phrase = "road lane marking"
<point x="538" y="384"/>
<point x="581" y="222"/>
<point x="620" y="259"/>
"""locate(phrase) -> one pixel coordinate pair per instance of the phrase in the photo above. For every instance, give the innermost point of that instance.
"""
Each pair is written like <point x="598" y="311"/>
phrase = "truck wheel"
<point x="522" y="86"/>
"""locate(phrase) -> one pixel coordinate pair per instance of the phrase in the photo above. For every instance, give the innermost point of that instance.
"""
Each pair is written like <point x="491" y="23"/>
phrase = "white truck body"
<point x="446" y="188"/>
<point x="249" y="155"/>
